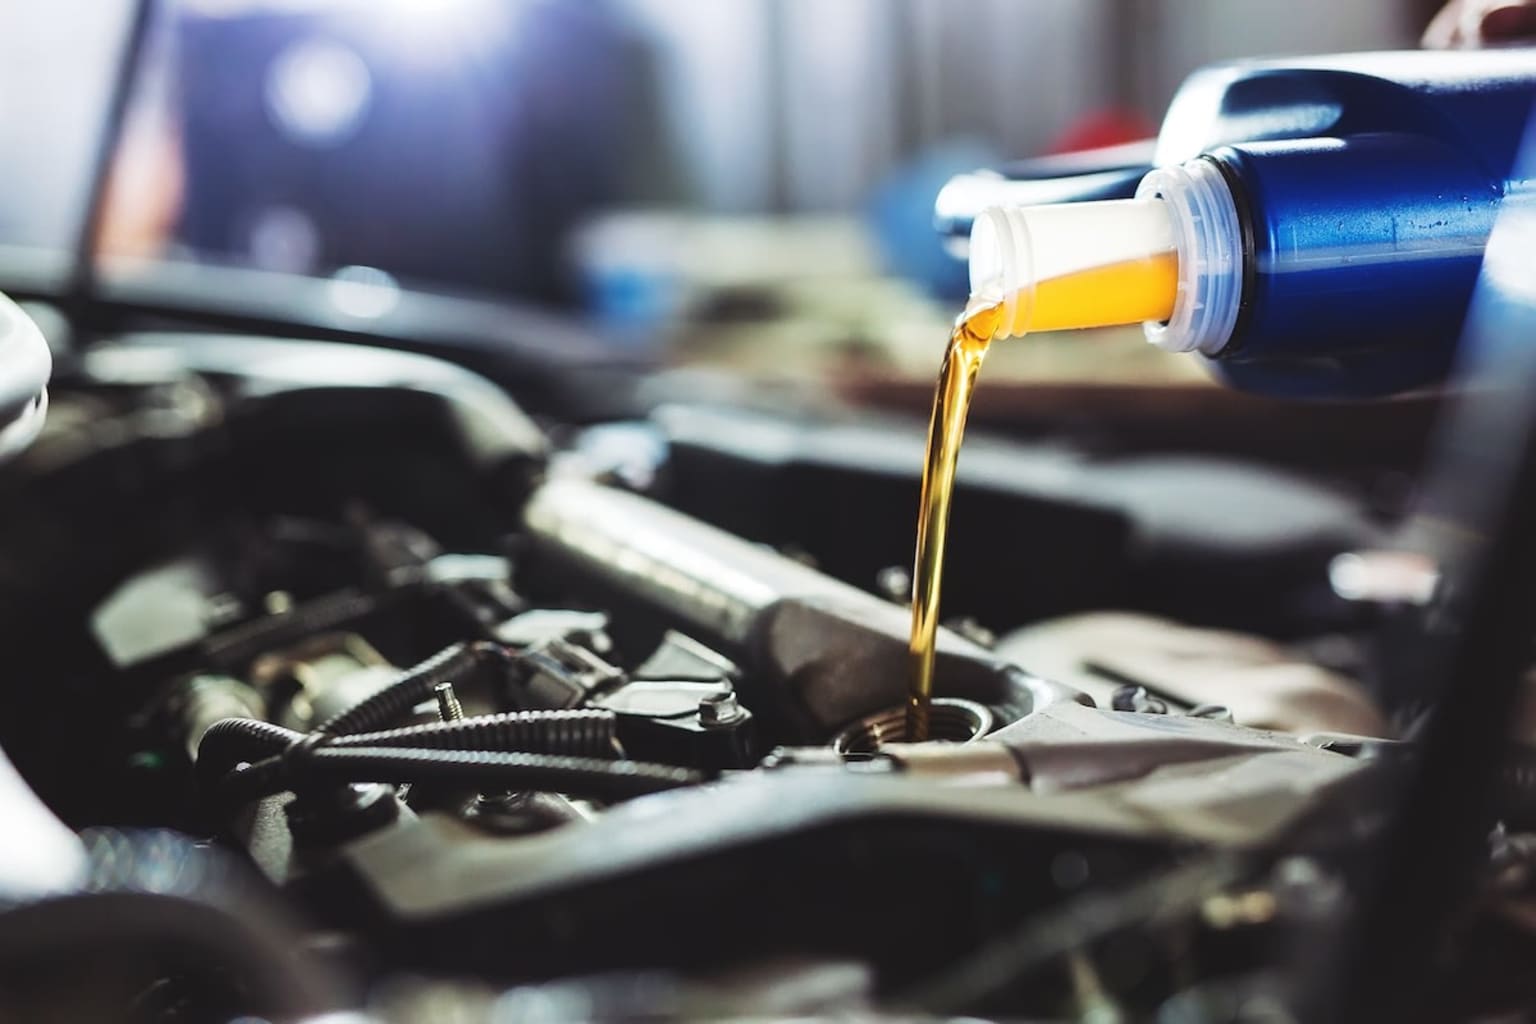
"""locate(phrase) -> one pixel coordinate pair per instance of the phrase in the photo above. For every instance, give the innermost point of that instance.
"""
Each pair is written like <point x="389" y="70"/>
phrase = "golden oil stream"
<point x="1120" y="293"/>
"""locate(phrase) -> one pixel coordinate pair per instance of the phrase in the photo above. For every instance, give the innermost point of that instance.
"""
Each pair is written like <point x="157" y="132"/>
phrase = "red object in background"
<point x="1100" y="128"/>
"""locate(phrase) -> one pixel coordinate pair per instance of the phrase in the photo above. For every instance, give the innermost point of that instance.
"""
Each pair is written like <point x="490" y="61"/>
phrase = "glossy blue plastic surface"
<point x="1360" y="244"/>
<point x="1366" y="240"/>
<point x="1369" y="183"/>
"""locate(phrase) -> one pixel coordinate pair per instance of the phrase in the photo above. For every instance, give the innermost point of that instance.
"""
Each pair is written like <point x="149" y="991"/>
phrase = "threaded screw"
<point x="448" y="706"/>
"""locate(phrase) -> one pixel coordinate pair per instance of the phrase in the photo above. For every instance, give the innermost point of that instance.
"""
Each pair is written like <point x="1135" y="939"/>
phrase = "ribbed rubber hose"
<point x="573" y="733"/>
<point x="472" y="751"/>
<point x="549" y="773"/>
<point x="452" y="664"/>
<point x="577" y="733"/>
<point x="229" y="741"/>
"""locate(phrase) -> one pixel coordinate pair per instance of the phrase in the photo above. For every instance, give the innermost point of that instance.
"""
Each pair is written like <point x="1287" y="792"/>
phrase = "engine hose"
<point x="229" y="741"/>
<point x="452" y="664"/>
<point x="575" y="733"/>
<point x="490" y="769"/>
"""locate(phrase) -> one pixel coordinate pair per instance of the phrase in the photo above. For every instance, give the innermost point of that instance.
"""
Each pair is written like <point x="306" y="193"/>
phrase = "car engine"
<point x="366" y="690"/>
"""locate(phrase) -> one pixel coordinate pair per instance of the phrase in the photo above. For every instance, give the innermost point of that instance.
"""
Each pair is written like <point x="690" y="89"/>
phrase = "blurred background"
<point x="744" y="185"/>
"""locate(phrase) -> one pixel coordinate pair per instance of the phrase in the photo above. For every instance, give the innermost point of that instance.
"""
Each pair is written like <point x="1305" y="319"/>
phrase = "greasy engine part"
<point x="1261" y="683"/>
<point x="200" y="702"/>
<point x="1143" y="786"/>
<point x="271" y="621"/>
<point x="824" y="845"/>
<point x="818" y="652"/>
<point x="1065" y="817"/>
<point x="532" y="751"/>
<point x="460" y="876"/>
<point x="436" y="884"/>
<point x="679" y="706"/>
<point x="951" y="720"/>
<point x="1204" y="539"/>
<point x="320" y="677"/>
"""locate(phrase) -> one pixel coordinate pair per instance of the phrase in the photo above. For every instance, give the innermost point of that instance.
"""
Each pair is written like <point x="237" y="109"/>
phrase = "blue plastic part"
<point x="1109" y="173"/>
<point x="899" y="217"/>
<point x="1358" y="245"/>
<point x="1369" y="184"/>
<point x="1366" y="242"/>
<point x="1477" y="98"/>
<point x="1100" y="174"/>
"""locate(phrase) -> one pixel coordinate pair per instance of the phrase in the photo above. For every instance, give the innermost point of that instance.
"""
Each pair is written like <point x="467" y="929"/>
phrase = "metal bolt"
<point x="720" y="709"/>
<point x="894" y="583"/>
<point x="448" y="707"/>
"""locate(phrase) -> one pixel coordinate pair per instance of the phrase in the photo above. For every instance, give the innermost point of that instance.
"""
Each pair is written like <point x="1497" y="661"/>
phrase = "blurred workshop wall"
<point x="802" y="105"/>
<point x="785" y="105"/>
<point x="1163" y="40"/>
<point x="772" y="105"/>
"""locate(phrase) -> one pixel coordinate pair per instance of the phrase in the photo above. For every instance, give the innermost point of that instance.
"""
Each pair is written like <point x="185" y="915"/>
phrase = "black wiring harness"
<point x="567" y="751"/>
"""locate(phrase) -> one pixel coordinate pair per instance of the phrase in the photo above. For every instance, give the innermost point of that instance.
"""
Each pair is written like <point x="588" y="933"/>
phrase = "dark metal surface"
<point x="925" y="866"/>
<point x="833" y="652"/>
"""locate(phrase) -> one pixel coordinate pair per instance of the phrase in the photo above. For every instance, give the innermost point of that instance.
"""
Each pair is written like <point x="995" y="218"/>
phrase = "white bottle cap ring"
<point x="1208" y="235"/>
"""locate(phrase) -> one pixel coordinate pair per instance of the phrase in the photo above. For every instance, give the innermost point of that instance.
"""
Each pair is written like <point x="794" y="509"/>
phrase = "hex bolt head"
<point x="719" y="709"/>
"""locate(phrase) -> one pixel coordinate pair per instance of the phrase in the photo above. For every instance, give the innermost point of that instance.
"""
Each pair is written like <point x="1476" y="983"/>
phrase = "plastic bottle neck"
<point x="1075" y="265"/>
<point x="1170" y="259"/>
<point x="1209" y="238"/>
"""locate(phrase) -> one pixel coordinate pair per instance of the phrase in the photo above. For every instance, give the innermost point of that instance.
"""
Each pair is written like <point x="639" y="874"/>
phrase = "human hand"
<point x="1469" y="24"/>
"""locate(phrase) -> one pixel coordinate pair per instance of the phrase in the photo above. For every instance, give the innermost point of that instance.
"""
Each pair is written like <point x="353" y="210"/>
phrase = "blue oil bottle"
<point x="1329" y="215"/>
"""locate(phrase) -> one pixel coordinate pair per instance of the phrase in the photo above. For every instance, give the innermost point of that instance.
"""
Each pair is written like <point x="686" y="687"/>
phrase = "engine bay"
<point x="411" y="697"/>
